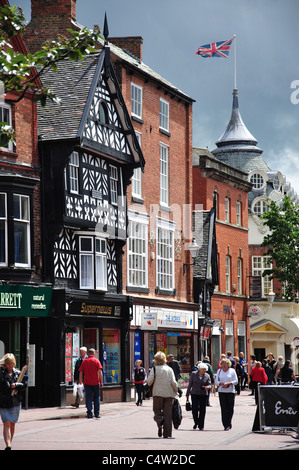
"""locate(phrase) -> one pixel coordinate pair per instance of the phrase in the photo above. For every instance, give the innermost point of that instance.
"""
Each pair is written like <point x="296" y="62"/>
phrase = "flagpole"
<point x="235" y="60"/>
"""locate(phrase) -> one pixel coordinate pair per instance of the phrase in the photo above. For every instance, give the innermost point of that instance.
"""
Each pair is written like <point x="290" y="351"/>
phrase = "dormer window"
<point x="257" y="180"/>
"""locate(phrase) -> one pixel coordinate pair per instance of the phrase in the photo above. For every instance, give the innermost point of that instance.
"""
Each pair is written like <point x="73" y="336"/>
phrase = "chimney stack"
<point x="49" y="19"/>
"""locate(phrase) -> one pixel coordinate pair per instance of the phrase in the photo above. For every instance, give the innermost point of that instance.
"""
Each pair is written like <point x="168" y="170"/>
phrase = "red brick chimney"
<point x="132" y="44"/>
<point x="49" y="19"/>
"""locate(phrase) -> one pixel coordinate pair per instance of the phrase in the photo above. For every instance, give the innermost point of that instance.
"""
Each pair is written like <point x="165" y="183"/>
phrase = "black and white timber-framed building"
<point x="88" y="152"/>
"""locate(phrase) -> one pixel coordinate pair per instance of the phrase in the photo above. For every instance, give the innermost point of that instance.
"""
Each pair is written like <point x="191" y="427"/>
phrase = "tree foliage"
<point x="19" y="72"/>
<point x="282" y="243"/>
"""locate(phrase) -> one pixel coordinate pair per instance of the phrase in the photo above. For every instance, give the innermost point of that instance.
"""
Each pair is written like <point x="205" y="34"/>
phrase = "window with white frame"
<point x="136" y="178"/>
<point x="164" y="171"/>
<point x="21" y="230"/>
<point x="257" y="180"/>
<point x="164" y="115"/>
<point x="259" y="207"/>
<point x="239" y="213"/>
<point x="136" y="100"/>
<point x="93" y="263"/>
<point x="259" y="264"/>
<point x="137" y="251"/>
<point x="227" y="209"/>
<point x="227" y="274"/>
<point x="240" y="275"/>
<point x="74" y="172"/>
<point x="165" y="257"/>
<point x="113" y="184"/>
<point x="5" y="116"/>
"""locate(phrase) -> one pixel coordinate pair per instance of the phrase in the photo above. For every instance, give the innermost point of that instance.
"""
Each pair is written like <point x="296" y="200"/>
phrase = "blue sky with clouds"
<point x="267" y="63"/>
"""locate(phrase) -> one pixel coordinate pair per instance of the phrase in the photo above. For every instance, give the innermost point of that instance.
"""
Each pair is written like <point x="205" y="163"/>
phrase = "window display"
<point x="111" y="356"/>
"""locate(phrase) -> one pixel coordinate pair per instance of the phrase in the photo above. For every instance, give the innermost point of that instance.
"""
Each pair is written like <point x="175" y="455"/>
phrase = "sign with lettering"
<point x="276" y="406"/>
<point x="88" y="308"/>
<point x="25" y="301"/>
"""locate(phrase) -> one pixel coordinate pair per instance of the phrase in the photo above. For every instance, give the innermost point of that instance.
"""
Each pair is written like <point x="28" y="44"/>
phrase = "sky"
<point x="267" y="63"/>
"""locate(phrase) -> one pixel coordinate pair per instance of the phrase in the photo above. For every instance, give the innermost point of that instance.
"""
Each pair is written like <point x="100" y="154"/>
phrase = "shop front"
<point x="24" y="313"/>
<point x="171" y="331"/>
<point x="100" y="322"/>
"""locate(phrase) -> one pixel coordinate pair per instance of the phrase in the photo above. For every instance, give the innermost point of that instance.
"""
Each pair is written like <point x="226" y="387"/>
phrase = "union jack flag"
<point x="215" y="49"/>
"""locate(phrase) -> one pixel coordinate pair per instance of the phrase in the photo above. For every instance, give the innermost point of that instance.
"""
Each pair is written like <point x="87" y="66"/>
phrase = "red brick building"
<point x="229" y="304"/>
<point x="20" y="241"/>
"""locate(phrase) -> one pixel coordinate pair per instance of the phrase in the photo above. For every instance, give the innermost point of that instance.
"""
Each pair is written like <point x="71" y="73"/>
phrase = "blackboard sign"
<point x="276" y="406"/>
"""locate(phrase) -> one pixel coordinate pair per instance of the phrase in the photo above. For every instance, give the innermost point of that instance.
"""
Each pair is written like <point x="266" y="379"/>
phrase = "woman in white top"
<point x="226" y="379"/>
<point x="164" y="391"/>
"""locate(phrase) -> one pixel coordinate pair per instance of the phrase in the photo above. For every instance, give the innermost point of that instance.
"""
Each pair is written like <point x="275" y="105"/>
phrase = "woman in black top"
<point x="10" y="396"/>
<point x="286" y="373"/>
<point x="139" y="377"/>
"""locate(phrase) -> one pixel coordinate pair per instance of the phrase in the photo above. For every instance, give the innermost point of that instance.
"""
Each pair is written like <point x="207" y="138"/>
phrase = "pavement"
<point x="124" y="427"/>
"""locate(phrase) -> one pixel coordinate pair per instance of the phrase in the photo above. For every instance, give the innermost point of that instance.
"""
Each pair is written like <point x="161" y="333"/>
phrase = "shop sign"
<point x="25" y="301"/>
<point x="87" y="308"/>
<point x="175" y="319"/>
<point x="254" y="311"/>
<point x="149" y="320"/>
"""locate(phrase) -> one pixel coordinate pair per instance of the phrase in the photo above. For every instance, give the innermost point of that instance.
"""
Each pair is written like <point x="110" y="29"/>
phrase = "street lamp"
<point x="194" y="250"/>
<point x="270" y="297"/>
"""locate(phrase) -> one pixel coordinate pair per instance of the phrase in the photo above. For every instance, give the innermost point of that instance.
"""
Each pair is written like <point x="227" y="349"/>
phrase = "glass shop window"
<point x="111" y="356"/>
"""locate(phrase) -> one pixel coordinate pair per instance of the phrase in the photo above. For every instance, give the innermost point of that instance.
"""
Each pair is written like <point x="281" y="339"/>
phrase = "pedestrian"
<point x="258" y="376"/>
<point x="10" y="396"/>
<point x="175" y="365"/>
<point x="239" y="372"/>
<point x="286" y="373"/>
<point x="279" y="364"/>
<point x="222" y="356"/>
<point x="252" y="364"/>
<point x="244" y="364"/>
<point x="206" y="361"/>
<point x="198" y="387"/>
<point x="139" y="378"/>
<point x="226" y="380"/>
<point x="267" y="369"/>
<point x="165" y="388"/>
<point x="229" y="356"/>
<point x="83" y="355"/>
<point x="272" y="363"/>
<point x="92" y="372"/>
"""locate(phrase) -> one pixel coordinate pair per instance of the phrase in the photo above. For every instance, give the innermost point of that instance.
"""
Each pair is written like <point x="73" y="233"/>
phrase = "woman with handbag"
<point x="165" y="389"/>
<point x="226" y="380"/>
<point x="199" y="386"/>
<point x="10" y="396"/>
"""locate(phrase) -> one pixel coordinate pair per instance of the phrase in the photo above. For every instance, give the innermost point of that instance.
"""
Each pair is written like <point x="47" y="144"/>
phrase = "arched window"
<point x="103" y="113"/>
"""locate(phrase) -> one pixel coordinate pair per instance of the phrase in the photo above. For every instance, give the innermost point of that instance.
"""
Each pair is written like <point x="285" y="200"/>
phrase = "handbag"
<point x="148" y="388"/>
<point x="188" y="405"/>
<point x="176" y="413"/>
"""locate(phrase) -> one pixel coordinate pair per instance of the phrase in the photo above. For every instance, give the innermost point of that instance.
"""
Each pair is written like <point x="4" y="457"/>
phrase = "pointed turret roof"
<point x="236" y="136"/>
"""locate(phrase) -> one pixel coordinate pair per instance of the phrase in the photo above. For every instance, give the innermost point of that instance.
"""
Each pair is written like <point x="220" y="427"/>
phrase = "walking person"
<point x="199" y="386"/>
<point x="139" y="377"/>
<point x="244" y="378"/>
<point x="272" y="364"/>
<point x="165" y="388"/>
<point x="286" y="373"/>
<point x="206" y="361"/>
<point x="226" y="380"/>
<point x="258" y="376"/>
<point x="83" y="355"/>
<point x="91" y="370"/>
<point x="10" y="396"/>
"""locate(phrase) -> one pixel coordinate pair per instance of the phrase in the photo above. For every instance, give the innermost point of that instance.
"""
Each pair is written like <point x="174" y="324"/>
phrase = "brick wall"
<point x="180" y="172"/>
<point x="49" y="19"/>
